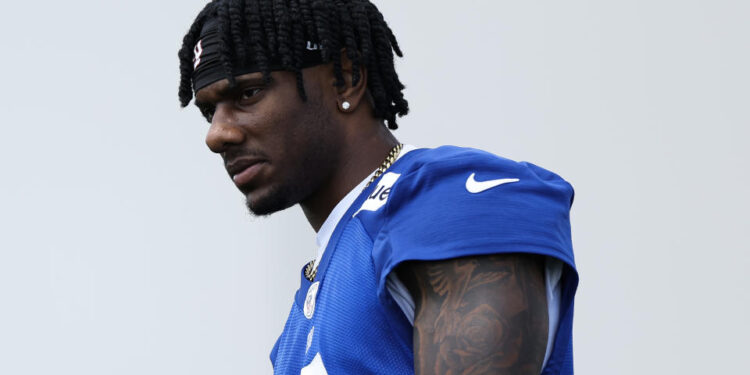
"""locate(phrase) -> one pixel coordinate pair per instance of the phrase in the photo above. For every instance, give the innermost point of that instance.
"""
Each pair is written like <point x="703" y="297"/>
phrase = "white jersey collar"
<point x="326" y="230"/>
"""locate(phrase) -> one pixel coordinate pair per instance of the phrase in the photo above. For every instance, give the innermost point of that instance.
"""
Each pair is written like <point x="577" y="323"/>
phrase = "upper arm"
<point x="467" y="257"/>
<point x="478" y="315"/>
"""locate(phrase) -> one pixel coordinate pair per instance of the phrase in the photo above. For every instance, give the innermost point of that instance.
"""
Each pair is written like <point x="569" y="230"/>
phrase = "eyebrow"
<point x="225" y="91"/>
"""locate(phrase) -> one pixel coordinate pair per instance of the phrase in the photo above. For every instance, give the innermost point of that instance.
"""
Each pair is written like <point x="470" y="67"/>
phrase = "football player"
<point x="431" y="261"/>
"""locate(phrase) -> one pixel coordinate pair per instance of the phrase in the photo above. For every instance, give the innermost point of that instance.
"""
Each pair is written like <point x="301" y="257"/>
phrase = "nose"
<point x="224" y="130"/>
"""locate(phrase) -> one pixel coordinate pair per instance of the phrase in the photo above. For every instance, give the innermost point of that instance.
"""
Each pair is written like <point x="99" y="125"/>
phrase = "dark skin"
<point x="476" y="315"/>
<point x="312" y="153"/>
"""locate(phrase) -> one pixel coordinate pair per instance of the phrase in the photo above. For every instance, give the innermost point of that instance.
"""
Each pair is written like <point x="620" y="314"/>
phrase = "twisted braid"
<point x="299" y="39"/>
<point x="277" y="30"/>
<point x="307" y="19"/>
<point x="237" y="28"/>
<point x="321" y="18"/>
<point x="227" y="53"/>
<point x="281" y="19"/>
<point x="185" y="54"/>
<point x="257" y="37"/>
<point x="266" y="16"/>
<point x="350" y="44"/>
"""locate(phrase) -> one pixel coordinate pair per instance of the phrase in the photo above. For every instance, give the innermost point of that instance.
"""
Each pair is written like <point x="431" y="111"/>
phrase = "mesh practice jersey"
<point x="432" y="204"/>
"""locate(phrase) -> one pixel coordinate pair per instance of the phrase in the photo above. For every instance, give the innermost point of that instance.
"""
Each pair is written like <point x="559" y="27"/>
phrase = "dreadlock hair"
<point x="277" y="30"/>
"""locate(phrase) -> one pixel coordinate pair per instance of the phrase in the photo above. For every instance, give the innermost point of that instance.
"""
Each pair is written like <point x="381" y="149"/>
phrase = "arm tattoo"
<point x="479" y="315"/>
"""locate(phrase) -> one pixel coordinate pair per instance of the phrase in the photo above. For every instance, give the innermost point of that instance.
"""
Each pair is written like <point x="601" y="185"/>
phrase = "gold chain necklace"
<point x="312" y="269"/>
<point x="392" y="156"/>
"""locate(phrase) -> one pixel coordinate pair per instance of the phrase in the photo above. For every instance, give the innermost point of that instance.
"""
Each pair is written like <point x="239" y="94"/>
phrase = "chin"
<point x="264" y="203"/>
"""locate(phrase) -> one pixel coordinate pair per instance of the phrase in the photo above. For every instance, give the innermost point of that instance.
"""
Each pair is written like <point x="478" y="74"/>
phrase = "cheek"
<point x="305" y="127"/>
<point x="291" y="132"/>
<point x="266" y="126"/>
<point x="284" y="136"/>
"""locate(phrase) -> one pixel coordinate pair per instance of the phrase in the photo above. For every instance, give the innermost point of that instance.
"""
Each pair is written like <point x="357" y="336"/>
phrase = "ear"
<point x="351" y="92"/>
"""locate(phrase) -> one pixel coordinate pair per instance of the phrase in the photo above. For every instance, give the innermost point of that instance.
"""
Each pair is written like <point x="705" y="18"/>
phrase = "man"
<point x="431" y="261"/>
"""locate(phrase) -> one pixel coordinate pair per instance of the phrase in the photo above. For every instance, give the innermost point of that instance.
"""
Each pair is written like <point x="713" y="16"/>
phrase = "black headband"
<point x="207" y="67"/>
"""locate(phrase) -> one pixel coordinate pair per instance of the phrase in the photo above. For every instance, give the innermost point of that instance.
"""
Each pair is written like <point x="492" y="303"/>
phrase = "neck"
<point x="363" y="153"/>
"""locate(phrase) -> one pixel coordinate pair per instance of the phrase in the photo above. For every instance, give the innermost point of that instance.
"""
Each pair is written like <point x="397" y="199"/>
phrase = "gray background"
<point x="125" y="249"/>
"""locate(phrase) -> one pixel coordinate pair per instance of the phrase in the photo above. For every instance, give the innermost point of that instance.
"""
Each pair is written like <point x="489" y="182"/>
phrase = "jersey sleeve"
<point x="472" y="203"/>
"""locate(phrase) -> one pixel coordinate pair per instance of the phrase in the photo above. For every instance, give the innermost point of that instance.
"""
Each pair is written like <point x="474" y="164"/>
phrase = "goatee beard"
<point x="275" y="201"/>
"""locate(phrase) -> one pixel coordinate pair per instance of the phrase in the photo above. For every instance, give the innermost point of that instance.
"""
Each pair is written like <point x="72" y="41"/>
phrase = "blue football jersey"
<point x="432" y="204"/>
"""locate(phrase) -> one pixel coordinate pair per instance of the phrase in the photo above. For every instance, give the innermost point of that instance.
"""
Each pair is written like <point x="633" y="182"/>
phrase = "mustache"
<point x="232" y="155"/>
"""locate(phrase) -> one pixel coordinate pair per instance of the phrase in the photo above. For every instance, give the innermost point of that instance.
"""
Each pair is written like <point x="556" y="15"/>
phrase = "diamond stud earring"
<point x="346" y="105"/>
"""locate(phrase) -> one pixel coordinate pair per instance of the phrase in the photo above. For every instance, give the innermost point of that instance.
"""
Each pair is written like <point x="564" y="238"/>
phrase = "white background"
<point x="125" y="248"/>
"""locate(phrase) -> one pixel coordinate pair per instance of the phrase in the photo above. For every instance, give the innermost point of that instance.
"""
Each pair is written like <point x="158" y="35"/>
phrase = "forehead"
<point x="220" y="89"/>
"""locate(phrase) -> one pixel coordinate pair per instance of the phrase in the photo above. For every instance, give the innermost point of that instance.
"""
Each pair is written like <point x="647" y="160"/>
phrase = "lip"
<point x="245" y="170"/>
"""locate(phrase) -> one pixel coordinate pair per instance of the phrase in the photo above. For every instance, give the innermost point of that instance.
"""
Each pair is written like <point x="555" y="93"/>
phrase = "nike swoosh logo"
<point x="474" y="186"/>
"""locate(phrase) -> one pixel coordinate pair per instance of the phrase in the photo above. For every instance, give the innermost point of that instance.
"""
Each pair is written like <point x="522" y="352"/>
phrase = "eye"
<point x="250" y="93"/>
<point x="208" y="113"/>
